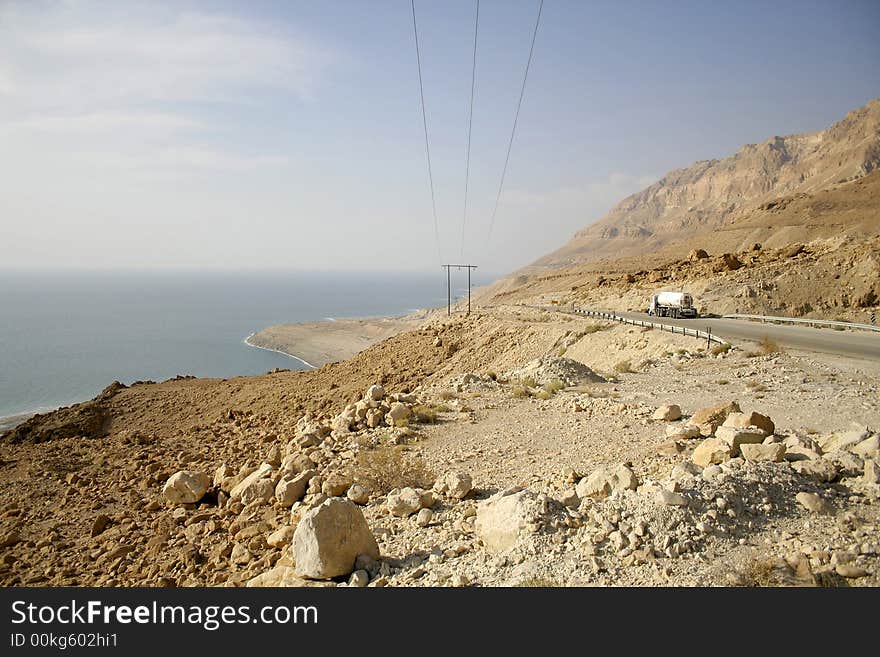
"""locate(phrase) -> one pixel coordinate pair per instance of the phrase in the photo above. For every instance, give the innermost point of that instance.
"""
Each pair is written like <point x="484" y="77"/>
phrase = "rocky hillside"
<point x="712" y="194"/>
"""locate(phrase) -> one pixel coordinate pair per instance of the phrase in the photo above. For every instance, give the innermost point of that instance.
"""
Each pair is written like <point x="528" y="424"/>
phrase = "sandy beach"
<point x="319" y="343"/>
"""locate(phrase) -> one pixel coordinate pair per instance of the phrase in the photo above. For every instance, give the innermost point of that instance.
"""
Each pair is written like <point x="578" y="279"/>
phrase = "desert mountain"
<point x="718" y="194"/>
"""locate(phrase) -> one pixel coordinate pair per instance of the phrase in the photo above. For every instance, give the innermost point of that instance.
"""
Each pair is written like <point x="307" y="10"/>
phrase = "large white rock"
<point x="710" y="451"/>
<point x="845" y="439"/>
<point x="753" y="419"/>
<point x="186" y="487"/>
<point x="293" y="488"/>
<point x="329" y="538"/>
<point x="454" y="484"/>
<point x="668" y="413"/>
<point x="264" y="471"/>
<point x="736" y="436"/>
<point x="260" y="490"/>
<point x="375" y="393"/>
<point x="774" y="452"/>
<point x="398" y="414"/>
<point x="505" y="517"/>
<point x="606" y="480"/>
<point x="404" y="501"/>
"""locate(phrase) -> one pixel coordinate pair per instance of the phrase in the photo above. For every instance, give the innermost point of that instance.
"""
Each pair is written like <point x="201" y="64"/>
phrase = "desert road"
<point x="857" y="344"/>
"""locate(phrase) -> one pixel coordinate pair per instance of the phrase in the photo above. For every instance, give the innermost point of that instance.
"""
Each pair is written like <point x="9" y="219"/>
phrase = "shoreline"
<point x="248" y="342"/>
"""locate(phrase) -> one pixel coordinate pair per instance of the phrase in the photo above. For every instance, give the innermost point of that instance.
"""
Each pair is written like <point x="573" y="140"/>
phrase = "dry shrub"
<point x="528" y="382"/>
<point x="722" y="348"/>
<point x="425" y="414"/>
<point x="554" y="386"/>
<point x="519" y="392"/>
<point x="756" y="386"/>
<point x="543" y="394"/>
<point x="446" y="395"/>
<point x="623" y="366"/>
<point x="538" y="582"/>
<point x="386" y="468"/>
<point x="594" y="328"/>
<point x="768" y="346"/>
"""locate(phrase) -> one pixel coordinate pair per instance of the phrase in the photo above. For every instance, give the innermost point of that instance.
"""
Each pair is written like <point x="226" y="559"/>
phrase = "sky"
<point x="288" y="135"/>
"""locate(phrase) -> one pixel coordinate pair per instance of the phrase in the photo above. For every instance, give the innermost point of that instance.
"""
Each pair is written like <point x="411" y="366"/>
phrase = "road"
<point x="856" y="344"/>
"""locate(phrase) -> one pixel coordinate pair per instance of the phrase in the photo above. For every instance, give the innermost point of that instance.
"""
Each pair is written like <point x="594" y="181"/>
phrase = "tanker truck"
<point x="672" y="304"/>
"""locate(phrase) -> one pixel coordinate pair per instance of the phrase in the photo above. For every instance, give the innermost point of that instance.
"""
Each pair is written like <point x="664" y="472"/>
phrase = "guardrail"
<point x="610" y="316"/>
<point x="804" y="320"/>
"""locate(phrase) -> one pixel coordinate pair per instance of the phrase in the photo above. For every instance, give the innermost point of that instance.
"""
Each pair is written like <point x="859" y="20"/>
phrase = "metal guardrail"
<point x="805" y="320"/>
<point x="610" y="316"/>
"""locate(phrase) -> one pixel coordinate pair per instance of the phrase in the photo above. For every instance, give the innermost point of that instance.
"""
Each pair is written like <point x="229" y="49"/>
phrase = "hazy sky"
<point x="243" y="135"/>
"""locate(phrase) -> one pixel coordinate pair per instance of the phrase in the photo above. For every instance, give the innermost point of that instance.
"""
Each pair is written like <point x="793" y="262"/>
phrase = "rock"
<point x="398" y="414"/>
<point x="799" y="453"/>
<point x="293" y="489"/>
<point x="670" y="448"/>
<point x="358" y="494"/>
<point x="606" y="480"/>
<point x="454" y="484"/>
<point x="850" y="570"/>
<point x="280" y="537"/>
<point x="844" y="439"/>
<point x="697" y="254"/>
<point x="260" y="490"/>
<point x="668" y="498"/>
<point x="869" y="448"/>
<point x="709" y="419"/>
<point x="872" y="472"/>
<point x="424" y="517"/>
<point x="791" y="250"/>
<point x="403" y="502"/>
<point x="668" y="413"/>
<point x="359" y="579"/>
<point x="734" y="437"/>
<point x="505" y="517"/>
<point x="329" y="538"/>
<point x="375" y="417"/>
<point x="710" y="451"/>
<point x="848" y="464"/>
<point x="186" y="487"/>
<point x="341" y="424"/>
<point x="726" y="262"/>
<point x="743" y="420"/>
<point x="335" y="485"/>
<point x="821" y="470"/>
<point x="570" y="498"/>
<point x="283" y="576"/>
<point x="274" y="456"/>
<point x="100" y="523"/>
<point x="375" y="393"/>
<point x="265" y="470"/>
<point x="774" y="452"/>
<point x="240" y="554"/>
<point x="680" y="432"/>
<point x="812" y="502"/>
<point x="9" y="538"/>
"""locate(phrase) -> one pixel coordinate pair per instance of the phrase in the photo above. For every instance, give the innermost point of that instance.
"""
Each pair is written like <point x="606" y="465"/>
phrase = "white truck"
<point x="672" y="304"/>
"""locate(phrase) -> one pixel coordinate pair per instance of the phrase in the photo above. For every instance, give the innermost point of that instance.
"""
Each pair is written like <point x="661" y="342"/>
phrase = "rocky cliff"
<point x="711" y="194"/>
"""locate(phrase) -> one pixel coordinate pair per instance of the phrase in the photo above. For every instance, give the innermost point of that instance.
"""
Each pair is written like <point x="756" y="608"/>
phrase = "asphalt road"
<point x="857" y="344"/>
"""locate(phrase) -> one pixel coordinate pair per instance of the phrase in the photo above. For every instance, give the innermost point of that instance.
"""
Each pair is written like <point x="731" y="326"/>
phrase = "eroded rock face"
<point x="329" y="538"/>
<point x="186" y="487"/>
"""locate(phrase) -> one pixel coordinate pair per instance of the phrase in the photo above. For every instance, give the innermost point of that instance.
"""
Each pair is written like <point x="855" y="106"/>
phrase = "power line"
<point x="467" y="168"/>
<point x="425" y="125"/>
<point x="515" y="119"/>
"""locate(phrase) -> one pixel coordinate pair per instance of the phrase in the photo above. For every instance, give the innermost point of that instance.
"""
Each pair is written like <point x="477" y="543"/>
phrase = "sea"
<point x="64" y="336"/>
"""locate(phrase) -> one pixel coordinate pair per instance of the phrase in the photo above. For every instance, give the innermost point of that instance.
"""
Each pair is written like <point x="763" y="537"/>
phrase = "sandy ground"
<point x="319" y="343"/>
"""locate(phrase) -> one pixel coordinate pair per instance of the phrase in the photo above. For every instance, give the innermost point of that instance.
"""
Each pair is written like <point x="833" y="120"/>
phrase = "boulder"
<point x="403" y="502"/>
<point x="264" y="471"/>
<point x="335" y="485"/>
<point x="329" y="538"/>
<point x="869" y="448"/>
<point x="280" y="537"/>
<point x="606" y="480"/>
<point x="261" y="490"/>
<point x="454" y="484"/>
<point x="709" y="419"/>
<point x="682" y="432"/>
<point x="753" y="419"/>
<point x="358" y="494"/>
<point x="669" y="498"/>
<point x="735" y="437"/>
<point x="293" y="488"/>
<point x="812" y="502"/>
<point x="848" y="464"/>
<point x="375" y="417"/>
<point x="844" y="439"/>
<point x="697" y="254"/>
<point x="398" y="414"/>
<point x="505" y="517"/>
<point x="424" y="517"/>
<point x="711" y="451"/>
<point x="375" y="393"/>
<point x="774" y="452"/>
<point x="821" y="470"/>
<point x="186" y="487"/>
<point x="668" y="413"/>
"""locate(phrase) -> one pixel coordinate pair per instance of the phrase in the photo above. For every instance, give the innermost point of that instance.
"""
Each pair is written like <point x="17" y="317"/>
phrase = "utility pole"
<point x="448" y="268"/>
